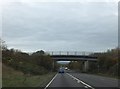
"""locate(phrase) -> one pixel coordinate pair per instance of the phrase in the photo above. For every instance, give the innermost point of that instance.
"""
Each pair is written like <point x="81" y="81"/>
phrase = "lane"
<point x="63" y="80"/>
<point x="96" y="81"/>
<point x="82" y="80"/>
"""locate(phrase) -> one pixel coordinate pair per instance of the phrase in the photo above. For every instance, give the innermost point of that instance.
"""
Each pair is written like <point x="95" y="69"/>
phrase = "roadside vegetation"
<point x="22" y="69"/>
<point x="107" y="65"/>
<point x="14" y="78"/>
<point x="36" y="63"/>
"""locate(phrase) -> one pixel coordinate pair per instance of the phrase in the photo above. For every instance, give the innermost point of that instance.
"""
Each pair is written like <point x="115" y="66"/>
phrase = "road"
<point x="82" y="80"/>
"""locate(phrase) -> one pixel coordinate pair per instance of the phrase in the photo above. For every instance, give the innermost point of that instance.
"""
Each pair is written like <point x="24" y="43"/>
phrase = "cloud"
<point x="61" y="26"/>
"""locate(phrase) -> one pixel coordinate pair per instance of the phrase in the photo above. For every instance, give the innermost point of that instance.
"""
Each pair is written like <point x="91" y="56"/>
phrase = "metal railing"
<point x="69" y="53"/>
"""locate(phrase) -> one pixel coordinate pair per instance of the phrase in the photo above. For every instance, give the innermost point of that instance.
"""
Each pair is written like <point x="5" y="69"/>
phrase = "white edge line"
<point x="81" y="81"/>
<point x="51" y="81"/>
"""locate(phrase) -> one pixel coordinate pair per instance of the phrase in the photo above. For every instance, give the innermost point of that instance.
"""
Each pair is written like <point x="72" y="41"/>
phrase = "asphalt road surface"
<point x="81" y="80"/>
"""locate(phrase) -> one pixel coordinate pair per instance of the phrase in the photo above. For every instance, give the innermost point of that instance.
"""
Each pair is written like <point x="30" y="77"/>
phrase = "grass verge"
<point x="13" y="78"/>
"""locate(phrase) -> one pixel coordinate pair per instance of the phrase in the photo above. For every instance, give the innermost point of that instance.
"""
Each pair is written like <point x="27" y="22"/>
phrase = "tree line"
<point x="36" y="63"/>
<point x="108" y="63"/>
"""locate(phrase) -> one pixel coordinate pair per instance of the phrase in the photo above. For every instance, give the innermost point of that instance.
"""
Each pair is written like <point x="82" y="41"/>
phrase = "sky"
<point x="60" y="25"/>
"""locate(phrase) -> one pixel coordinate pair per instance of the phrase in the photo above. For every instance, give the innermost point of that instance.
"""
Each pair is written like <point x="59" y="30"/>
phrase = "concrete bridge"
<point x="86" y="57"/>
<point x="73" y="58"/>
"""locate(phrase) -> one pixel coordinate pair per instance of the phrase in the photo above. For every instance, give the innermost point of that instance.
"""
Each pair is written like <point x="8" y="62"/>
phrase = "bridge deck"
<point x="73" y="58"/>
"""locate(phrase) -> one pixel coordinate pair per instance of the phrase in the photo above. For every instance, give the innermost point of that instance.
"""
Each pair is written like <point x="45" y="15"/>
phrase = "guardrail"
<point x="69" y="53"/>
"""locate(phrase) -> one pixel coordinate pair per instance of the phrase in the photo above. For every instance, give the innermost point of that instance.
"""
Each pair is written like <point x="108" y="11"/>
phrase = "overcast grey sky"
<point x="60" y="26"/>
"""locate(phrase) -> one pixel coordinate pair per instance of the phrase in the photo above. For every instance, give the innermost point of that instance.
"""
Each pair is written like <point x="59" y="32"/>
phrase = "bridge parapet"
<point x="69" y="53"/>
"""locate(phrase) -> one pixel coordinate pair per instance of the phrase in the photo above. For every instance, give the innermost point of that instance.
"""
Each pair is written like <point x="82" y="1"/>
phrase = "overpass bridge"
<point x="86" y="57"/>
<point x="72" y="56"/>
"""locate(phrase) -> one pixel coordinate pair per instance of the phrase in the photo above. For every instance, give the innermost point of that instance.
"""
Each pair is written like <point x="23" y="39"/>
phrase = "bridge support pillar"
<point x="53" y="64"/>
<point x="86" y="66"/>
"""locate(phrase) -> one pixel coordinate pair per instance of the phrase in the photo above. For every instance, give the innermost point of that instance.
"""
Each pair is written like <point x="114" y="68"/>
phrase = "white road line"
<point x="51" y="81"/>
<point x="86" y="87"/>
<point x="81" y="81"/>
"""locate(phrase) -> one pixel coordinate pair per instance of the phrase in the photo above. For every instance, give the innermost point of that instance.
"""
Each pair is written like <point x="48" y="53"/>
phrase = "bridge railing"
<point x="68" y="53"/>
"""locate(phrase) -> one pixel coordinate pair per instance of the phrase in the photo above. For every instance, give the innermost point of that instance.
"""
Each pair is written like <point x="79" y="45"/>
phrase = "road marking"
<point x="86" y="85"/>
<point x="51" y="81"/>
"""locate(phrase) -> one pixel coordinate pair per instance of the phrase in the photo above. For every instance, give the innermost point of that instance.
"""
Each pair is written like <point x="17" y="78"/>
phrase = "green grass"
<point x="13" y="78"/>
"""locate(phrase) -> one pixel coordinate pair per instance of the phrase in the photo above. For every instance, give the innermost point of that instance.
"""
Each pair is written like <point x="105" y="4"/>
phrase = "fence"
<point x="69" y="53"/>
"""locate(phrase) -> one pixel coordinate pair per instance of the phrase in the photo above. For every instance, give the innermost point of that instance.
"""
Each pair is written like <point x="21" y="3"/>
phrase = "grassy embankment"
<point x="13" y="78"/>
<point x="0" y="74"/>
